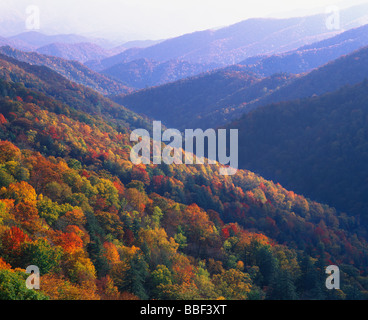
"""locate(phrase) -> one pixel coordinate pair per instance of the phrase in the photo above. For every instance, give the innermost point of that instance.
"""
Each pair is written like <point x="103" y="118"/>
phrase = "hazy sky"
<point x="152" y="19"/>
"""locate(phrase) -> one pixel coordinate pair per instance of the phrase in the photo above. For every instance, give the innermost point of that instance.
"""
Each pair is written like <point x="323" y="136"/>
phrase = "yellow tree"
<point x="232" y="284"/>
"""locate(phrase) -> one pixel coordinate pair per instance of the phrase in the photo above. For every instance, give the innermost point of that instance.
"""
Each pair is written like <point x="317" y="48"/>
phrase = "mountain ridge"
<point x="229" y="44"/>
<point x="72" y="70"/>
<point x="145" y="73"/>
<point x="227" y="103"/>
<point x="308" y="57"/>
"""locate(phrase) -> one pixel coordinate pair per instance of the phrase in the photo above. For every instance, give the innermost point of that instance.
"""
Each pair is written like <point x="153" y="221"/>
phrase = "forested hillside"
<point x="76" y="96"/>
<point x="143" y="73"/>
<point x="316" y="146"/>
<point x="72" y="70"/>
<point x="81" y="52"/>
<point x="99" y="227"/>
<point x="204" y="101"/>
<point x="346" y="70"/>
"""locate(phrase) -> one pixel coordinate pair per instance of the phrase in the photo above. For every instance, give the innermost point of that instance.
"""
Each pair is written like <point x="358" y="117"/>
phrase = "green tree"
<point x="157" y="216"/>
<point x="13" y="287"/>
<point x="41" y="254"/>
<point x="160" y="277"/>
<point x="5" y="178"/>
<point x="136" y="277"/>
<point x="282" y="287"/>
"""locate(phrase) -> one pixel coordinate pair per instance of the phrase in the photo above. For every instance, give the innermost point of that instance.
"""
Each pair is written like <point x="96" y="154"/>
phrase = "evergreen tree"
<point x="282" y="287"/>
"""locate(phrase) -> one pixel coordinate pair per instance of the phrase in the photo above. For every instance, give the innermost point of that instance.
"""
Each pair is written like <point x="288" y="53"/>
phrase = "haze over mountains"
<point x="310" y="56"/>
<point x="237" y="42"/>
<point x="70" y="46"/>
<point x="231" y="44"/>
<point x="142" y="64"/>
<point x="264" y="41"/>
<point x="36" y="39"/>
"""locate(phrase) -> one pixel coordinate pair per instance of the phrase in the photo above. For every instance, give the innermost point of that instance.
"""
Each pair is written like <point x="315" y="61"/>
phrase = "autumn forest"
<point x="99" y="227"/>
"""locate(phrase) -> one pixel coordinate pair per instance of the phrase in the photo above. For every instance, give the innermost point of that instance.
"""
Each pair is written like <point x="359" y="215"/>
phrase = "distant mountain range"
<point x="243" y="40"/>
<point x="208" y="101"/>
<point x="140" y="43"/>
<point x="310" y="56"/>
<point x="231" y="44"/>
<point x="38" y="39"/>
<point x="71" y="46"/>
<point x="3" y="41"/>
<point x="19" y="44"/>
<point x="141" y="64"/>
<point x="348" y="69"/>
<point x="145" y="73"/>
<point x="81" y="52"/>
